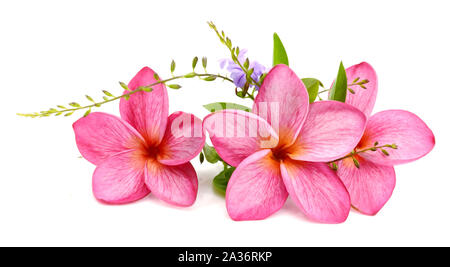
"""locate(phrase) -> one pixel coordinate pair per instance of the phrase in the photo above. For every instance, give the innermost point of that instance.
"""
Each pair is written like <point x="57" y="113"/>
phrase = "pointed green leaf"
<point x="210" y="154"/>
<point x="339" y="90"/>
<point x="312" y="85"/>
<point x="212" y="107"/>
<point x="279" y="53"/>
<point x="220" y="182"/>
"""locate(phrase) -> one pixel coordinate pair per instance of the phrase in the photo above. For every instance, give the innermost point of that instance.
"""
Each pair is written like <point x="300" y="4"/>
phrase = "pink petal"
<point x="363" y="99"/>
<point x="283" y="101"/>
<point x="331" y="130"/>
<point x="176" y="185"/>
<point x="237" y="134"/>
<point x="183" y="140"/>
<point x="255" y="190"/>
<point x="100" y="135"/>
<point x="119" y="179"/>
<point x="316" y="190"/>
<point x="411" y="135"/>
<point x="370" y="186"/>
<point x="146" y="111"/>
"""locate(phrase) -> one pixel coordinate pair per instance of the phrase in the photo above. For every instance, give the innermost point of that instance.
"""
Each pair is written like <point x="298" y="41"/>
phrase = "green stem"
<point x="147" y="88"/>
<point x="374" y="148"/>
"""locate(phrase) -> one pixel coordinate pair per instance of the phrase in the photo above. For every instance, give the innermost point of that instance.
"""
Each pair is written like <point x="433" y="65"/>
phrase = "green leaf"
<point x="279" y="53"/>
<point x="212" y="107"/>
<point x="210" y="154"/>
<point x="220" y="182"/>
<point x="339" y="90"/>
<point x="312" y="85"/>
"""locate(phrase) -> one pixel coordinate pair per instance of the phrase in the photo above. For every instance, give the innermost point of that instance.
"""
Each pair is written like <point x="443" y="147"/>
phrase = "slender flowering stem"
<point x="355" y="82"/>
<point x="234" y="55"/>
<point x="111" y="98"/>
<point x="373" y="148"/>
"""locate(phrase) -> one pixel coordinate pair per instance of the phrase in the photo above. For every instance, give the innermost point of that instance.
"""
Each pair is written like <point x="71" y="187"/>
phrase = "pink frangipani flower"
<point x="144" y="150"/>
<point x="286" y="156"/>
<point x="371" y="185"/>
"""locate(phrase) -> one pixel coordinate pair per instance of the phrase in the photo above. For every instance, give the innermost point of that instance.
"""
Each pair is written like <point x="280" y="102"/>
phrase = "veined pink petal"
<point x="183" y="140"/>
<point x="237" y="134"/>
<point x="331" y="130"/>
<point x="370" y="186"/>
<point x="256" y="189"/>
<point x="100" y="135"/>
<point x="316" y="190"/>
<point x="176" y="185"/>
<point x="283" y="101"/>
<point x="119" y="179"/>
<point x="406" y="130"/>
<point x="146" y="111"/>
<point x="363" y="99"/>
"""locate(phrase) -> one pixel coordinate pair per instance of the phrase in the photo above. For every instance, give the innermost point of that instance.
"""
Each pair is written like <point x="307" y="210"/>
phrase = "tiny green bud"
<point x="356" y="162"/>
<point x="156" y="76"/>
<point x="210" y="78"/>
<point x="194" y="63"/>
<point x="107" y="93"/>
<point x="75" y="104"/>
<point x="394" y="146"/>
<point x="172" y="66"/>
<point x="228" y="42"/>
<point x="355" y="80"/>
<point x="334" y="166"/>
<point x="351" y="90"/>
<point x="204" y="62"/>
<point x="190" y="75"/>
<point x="105" y="98"/>
<point x="385" y="152"/>
<point x="98" y="105"/>
<point x="59" y="113"/>
<point x="202" y="157"/>
<point x="238" y="51"/>
<point x="363" y="87"/>
<point x="373" y="149"/>
<point x="127" y="97"/>
<point x="364" y="81"/>
<point x="90" y="98"/>
<point x="124" y="86"/>
<point x="146" y="89"/>
<point x="247" y="63"/>
<point x="87" y="112"/>
<point x="68" y="114"/>
<point x="61" y="107"/>
<point x="174" y="86"/>
<point x="376" y="143"/>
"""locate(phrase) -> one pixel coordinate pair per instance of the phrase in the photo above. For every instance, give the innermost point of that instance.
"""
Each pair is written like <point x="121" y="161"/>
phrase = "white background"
<point x="55" y="52"/>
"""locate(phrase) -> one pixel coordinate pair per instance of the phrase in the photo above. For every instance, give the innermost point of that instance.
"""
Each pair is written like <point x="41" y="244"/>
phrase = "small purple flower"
<point x="237" y="74"/>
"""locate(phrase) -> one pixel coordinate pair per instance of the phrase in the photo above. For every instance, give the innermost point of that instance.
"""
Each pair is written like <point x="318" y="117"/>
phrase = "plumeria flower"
<point x="144" y="150"/>
<point x="371" y="185"/>
<point x="237" y="74"/>
<point x="303" y="137"/>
